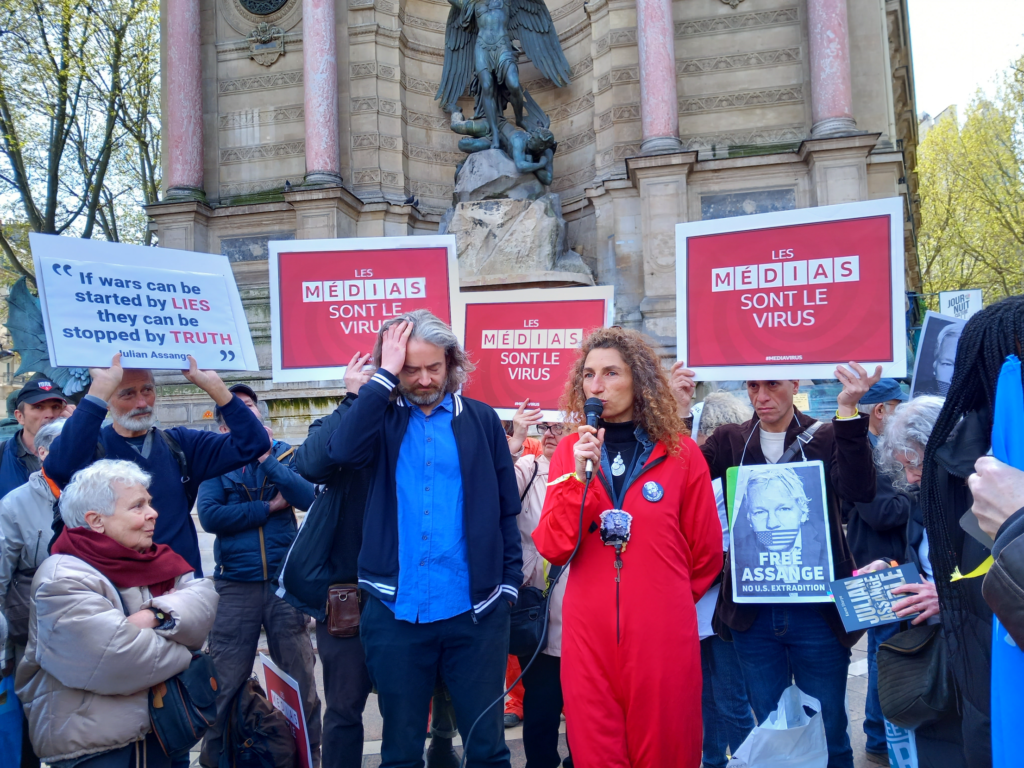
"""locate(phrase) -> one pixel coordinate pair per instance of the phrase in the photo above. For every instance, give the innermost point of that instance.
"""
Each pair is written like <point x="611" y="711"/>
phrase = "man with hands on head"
<point x="179" y="459"/>
<point x="808" y="639"/>
<point x="441" y="558"/>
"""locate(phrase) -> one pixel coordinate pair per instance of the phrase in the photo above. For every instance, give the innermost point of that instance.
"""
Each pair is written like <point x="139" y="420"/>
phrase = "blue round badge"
<point x="653" y="491"/>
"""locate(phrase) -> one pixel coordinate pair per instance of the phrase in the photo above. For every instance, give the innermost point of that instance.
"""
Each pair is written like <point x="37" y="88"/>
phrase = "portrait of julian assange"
<point x="780" y="541"/>
<point x="936" y="353"/>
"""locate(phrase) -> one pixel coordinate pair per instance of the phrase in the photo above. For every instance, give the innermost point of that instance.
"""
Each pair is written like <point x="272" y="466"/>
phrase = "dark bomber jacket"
<point x="370" y="437"/>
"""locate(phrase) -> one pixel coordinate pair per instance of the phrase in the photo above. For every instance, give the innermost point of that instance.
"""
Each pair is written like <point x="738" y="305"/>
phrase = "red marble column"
<point x="184" y="100"/>
<point x="659" y="107"/>
<point x="320" y="72"/>
<point x="831" y="86"/>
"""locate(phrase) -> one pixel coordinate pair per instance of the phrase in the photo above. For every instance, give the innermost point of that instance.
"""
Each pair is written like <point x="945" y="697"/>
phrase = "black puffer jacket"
<point x="326" y="548"/>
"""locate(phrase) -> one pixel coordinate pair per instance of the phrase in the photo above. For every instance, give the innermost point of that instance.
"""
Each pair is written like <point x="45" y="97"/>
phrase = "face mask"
<point x="783" y="538"/>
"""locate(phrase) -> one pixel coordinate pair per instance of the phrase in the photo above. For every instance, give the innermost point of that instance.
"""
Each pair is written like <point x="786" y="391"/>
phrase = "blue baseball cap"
<point x="884" y="391"/>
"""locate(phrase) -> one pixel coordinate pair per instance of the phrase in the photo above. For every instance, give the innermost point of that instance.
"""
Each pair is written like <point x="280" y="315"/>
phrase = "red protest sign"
<point x="524" y="343"/>
<point x="283" y="692"/>
<point x="793" y="294"/>
<point x="329" y="298"/>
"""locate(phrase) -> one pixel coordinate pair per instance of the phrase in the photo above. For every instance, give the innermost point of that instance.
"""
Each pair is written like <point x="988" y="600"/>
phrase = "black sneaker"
<point x="512" y="719"/>
<point x="441" y="754"/>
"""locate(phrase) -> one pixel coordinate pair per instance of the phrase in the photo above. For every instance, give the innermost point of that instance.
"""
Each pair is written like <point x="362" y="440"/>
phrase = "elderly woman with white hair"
<point x="112" y="615"/>
<point x="900" y="453"/>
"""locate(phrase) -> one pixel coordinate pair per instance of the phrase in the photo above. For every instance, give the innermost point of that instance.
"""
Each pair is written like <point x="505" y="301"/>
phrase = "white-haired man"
<point x="179" y="459"/>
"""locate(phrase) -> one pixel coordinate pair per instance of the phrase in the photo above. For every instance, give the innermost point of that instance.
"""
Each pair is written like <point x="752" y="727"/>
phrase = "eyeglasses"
<point x="556" y="429"/>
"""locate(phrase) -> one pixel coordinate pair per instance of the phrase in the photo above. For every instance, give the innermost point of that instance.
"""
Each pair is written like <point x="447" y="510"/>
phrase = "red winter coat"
<point x="648" y="683"/>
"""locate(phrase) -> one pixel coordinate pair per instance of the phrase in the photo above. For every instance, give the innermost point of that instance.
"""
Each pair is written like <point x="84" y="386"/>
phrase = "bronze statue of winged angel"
<point x="478" y="47"/>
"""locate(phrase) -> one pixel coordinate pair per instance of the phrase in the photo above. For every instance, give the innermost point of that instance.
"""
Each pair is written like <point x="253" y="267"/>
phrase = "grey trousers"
<point x="245" y="608"/>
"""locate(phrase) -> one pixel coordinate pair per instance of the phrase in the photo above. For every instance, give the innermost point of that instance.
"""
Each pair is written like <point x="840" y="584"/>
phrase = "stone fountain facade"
<point x="316" y="119"/>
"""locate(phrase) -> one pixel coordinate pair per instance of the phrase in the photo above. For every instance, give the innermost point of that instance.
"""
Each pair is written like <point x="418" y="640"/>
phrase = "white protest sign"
<point x="960" y="304"/>
<point x="102" y="298"/>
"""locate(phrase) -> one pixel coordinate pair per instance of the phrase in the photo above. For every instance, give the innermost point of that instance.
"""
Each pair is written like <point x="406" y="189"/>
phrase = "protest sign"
<point x="101" y="298"/>
<point x="284" y="695"/>
<point x="792" y="294"/>
<point x="936" y="353"/>
<point x="865" y="600"/>
<point x="779" y="534"/>
<point x="329" y="298"/>
<point x="962" y="305"/>
<point x="524" y="342"/>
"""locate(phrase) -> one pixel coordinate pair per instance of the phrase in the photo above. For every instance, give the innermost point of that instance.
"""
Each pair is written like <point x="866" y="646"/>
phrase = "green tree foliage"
<point x="79" y="121"/>
<point x="972" y="195"/>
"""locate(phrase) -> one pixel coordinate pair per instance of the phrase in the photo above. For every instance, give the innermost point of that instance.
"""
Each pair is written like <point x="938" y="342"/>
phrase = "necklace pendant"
<point x="618" y="466"/>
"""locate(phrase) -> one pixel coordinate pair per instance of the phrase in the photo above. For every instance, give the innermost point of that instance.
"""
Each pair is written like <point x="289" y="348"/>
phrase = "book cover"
<point x="865" y="601"/>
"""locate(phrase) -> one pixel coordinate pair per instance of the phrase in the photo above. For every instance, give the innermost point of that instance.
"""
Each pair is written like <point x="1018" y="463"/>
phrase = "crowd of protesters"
<point x="428" y="520"/>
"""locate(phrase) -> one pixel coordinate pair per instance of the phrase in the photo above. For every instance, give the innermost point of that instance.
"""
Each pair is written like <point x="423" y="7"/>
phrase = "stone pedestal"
<point x="509" y="228"/>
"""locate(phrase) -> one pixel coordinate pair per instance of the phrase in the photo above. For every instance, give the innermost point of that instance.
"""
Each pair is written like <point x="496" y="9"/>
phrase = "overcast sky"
<point x="959" y="45"/>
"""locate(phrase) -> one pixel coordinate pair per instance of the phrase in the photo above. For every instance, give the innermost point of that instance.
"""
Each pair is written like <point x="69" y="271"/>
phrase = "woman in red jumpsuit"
<point x="630" y="652"/>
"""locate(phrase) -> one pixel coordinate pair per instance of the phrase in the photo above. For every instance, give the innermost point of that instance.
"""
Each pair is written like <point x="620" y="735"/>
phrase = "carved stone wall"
<point x="743" y="78"/>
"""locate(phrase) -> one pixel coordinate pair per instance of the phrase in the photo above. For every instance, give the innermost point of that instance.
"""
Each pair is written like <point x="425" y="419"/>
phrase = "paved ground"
<point x="856" y="689"/>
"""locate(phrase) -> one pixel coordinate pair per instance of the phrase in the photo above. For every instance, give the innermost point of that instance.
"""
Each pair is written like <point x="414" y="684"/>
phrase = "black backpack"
<point x="256" y="734"/>
<point x="176" y="452"/>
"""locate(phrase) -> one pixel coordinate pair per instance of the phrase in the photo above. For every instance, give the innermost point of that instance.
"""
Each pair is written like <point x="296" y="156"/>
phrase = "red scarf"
<point x="156" y="568"/>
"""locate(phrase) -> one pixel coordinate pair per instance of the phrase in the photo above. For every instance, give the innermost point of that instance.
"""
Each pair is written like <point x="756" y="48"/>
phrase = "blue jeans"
<point x="792" y="643"/>
<point x="874" y="726"/>
<point x="724" y="704"/>
<point x="404" y="659"/>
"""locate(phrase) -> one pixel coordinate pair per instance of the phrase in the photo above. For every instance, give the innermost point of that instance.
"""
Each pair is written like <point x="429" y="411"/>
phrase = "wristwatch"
<point x="164" y="620"/>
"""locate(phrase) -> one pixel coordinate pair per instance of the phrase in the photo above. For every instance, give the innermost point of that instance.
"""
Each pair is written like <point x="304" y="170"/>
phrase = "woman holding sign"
<point x="630" y="648"/>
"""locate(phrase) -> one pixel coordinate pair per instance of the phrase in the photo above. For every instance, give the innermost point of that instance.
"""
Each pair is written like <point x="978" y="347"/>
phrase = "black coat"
<point x="326" y="548"/>
<point x="877" y="529"/>
<point x="842" y="445"/>
<point x="967" y="629"/>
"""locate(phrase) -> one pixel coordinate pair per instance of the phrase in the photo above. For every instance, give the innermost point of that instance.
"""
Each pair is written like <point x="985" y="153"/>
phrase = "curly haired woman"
<point x="630" y="650"/>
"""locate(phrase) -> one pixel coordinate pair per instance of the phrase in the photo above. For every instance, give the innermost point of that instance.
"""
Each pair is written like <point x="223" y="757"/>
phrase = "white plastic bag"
<point x="788" y="738"/>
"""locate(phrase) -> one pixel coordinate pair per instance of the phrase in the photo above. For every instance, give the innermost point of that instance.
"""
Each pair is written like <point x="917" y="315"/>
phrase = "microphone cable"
<point x="544" y="632"/>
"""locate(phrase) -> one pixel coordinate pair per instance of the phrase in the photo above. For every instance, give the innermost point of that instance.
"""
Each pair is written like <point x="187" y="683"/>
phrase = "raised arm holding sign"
<point x="178" y="459"/>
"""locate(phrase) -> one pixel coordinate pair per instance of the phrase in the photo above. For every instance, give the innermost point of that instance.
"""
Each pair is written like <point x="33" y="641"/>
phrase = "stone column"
<point x="831" y="85"/>
<point x="320" y="72"/>
<point x="184" y="100"/>
<point x="659" y="107"/>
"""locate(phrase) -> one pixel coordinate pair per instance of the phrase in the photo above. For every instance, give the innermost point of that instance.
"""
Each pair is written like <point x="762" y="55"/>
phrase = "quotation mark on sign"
<point x="66" y="268"/>
<point x="227" y="354"/>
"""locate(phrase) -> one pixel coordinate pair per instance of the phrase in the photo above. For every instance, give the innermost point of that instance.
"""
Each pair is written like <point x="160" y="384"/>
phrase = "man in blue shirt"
<point x="441" y="559"/>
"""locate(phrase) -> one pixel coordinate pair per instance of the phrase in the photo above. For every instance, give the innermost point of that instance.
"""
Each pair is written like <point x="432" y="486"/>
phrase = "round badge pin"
<point x="653" y="491"/>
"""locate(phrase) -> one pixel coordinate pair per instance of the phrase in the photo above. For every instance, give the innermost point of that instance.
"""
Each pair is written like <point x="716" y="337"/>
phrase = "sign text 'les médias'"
<point x="797" y="292"/>
<point x="524" y="343"/>
<point x="331" y="297"/>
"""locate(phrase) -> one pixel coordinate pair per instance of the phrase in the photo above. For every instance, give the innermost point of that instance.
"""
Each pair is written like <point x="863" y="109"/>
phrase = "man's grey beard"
<point x="137" y="420"/>
<point x="428" y="399"/>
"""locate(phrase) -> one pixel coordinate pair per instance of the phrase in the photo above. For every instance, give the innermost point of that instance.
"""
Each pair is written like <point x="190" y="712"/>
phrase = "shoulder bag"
<point x="914" y="685"/>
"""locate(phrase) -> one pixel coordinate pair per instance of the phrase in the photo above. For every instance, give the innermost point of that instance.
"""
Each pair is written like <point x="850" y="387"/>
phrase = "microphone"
<point x="593" y="408"/>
